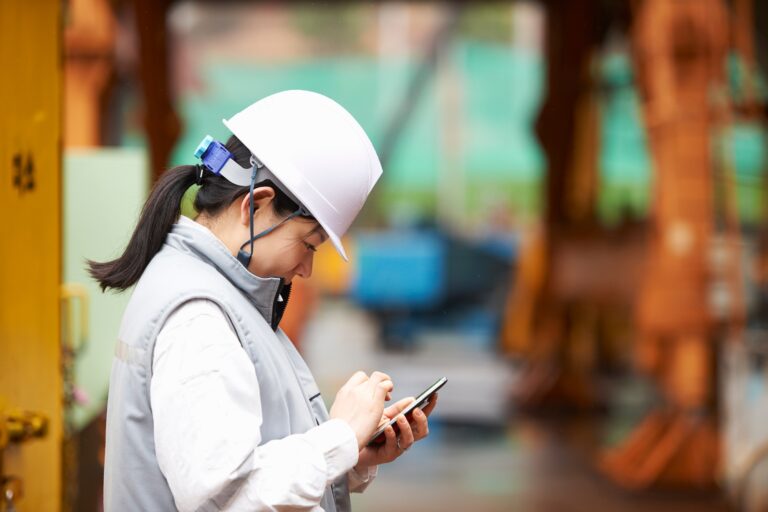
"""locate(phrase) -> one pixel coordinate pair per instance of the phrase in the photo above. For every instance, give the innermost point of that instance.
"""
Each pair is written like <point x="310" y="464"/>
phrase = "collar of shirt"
<point x="193" y="238"/>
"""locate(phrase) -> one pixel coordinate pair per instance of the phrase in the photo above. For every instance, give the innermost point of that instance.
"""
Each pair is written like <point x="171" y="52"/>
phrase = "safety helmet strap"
<point x="218" y="159"/>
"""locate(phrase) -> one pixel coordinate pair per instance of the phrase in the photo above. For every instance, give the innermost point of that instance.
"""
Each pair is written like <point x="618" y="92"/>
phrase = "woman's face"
<point x="288" y="251"/>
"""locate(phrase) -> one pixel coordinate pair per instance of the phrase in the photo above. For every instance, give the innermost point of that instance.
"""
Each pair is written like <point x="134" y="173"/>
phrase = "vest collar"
<point x="267" y="294"/>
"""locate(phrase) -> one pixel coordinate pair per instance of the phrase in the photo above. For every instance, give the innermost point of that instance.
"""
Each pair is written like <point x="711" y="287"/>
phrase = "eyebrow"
<point x="319" y="230"/>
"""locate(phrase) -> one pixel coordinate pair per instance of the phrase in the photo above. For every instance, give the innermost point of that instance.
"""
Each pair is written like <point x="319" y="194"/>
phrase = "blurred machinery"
<point x="570" y="310"/>
<point x="744" y="374"/>
<point x="422" y="278"/>
<point x="89" y="69"/>
<point x="437" y="301"/>
<point x="744" y="362"/>
<point x="680" y="48"/>
<point x="571" y="304"/>
<point x="100" y="51"/>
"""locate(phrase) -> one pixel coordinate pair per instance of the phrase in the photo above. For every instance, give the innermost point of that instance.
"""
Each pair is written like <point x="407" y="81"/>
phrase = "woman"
<point x="210" y="406"/>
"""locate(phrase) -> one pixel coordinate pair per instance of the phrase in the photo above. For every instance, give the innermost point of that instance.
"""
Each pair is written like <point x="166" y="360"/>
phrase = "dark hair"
<point x="162" y="209"/>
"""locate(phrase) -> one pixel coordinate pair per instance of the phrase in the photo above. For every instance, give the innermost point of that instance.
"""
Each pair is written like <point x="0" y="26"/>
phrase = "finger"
<point x="397" y="407"/>
<point x="377" y="377"/>
<point x="357" y="378"/>
<point x="420" y="426"/>
<point x="406" y="434"/>
<point x="390" y="442"/>
<point x="431" y="405"/>
<point x="388" y="397"/>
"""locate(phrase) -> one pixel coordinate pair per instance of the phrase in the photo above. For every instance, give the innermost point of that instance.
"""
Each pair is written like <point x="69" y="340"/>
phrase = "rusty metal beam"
<point x="160" y="119"/>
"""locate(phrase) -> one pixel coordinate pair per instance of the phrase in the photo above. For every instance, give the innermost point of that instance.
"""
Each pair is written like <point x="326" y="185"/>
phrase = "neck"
<point x="222" y="230"/>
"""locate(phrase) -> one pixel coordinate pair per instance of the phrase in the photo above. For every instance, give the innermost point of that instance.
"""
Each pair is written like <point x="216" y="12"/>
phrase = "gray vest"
<point x="194" y="264"/>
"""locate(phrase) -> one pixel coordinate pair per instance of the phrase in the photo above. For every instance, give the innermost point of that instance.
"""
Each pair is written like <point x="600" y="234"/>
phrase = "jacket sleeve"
<point x="207" y="413"/>
<point x="359" y="481"/>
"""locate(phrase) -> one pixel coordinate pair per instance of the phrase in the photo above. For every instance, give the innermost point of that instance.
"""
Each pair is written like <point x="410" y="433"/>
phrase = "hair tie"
<point x="200" y="170"/>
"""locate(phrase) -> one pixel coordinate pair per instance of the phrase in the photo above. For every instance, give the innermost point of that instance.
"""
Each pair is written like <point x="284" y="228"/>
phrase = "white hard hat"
<point x="317" y="151"/>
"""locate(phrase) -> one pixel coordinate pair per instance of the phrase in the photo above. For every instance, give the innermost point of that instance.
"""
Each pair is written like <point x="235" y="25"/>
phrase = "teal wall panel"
<point x="103" y="192"/>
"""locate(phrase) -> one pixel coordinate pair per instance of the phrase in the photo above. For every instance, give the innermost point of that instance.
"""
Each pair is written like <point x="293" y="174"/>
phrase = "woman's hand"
<point x="360" y="402"/>
<point x="393" y="447"/>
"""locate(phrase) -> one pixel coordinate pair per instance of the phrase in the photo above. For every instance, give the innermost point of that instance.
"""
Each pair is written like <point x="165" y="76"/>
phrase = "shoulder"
<point x="193" y="311"/>
<point x="196" y="328"/>
<point x="172" y="284"/>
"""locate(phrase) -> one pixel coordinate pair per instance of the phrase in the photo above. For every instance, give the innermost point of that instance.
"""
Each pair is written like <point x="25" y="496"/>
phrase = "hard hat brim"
<point x="336" y="244"/>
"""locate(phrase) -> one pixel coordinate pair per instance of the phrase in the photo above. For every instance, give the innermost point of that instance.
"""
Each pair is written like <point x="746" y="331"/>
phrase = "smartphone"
<point x="420" y="401"/>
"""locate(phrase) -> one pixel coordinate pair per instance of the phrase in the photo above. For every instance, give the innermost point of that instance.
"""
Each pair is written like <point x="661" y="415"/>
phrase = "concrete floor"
<point x="529" y="467"/>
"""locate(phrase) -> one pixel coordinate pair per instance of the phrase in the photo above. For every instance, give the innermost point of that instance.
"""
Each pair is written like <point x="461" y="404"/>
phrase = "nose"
<point x="304" y="270"/>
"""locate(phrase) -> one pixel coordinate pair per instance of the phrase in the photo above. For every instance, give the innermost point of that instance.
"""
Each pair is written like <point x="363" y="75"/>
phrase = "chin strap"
<point x="242" y="256"/>
<point x="245" y="257"/>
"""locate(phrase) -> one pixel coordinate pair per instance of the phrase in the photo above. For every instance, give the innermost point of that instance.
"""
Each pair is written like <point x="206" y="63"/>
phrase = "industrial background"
<point x="572" y="226"/>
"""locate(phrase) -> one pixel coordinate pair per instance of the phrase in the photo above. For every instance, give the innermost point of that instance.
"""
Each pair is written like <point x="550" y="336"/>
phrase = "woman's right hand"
<point x="360" y="402"/>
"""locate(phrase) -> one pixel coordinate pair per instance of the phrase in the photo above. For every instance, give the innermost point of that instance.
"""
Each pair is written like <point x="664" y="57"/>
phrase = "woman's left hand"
<point x="396" y="444"/>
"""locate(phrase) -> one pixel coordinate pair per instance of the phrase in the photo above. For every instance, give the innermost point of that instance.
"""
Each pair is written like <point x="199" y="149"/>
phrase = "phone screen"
<point x="420" y="401"/>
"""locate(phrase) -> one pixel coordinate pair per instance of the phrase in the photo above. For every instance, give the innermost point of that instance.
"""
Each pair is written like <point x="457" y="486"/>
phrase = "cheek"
<point x="286" y="260"/>
<point x="294" y="259"/>
<point x="270" y="261"/>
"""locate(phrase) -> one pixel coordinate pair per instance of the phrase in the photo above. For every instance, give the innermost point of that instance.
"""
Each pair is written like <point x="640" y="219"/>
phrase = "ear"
<point x="262" y="201"/>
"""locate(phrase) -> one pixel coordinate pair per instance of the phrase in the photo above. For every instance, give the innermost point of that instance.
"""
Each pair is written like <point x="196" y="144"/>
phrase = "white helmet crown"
<point x="316" y="150"/>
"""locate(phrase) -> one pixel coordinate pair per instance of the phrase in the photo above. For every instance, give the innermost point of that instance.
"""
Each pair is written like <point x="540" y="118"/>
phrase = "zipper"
<point x="275" y="305"/>
<point x="278" y="306"/>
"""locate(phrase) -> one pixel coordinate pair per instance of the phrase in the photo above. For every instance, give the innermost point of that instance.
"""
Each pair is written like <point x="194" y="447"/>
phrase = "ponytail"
<point x="163" y="207"/>
<point x="160" y="212"/>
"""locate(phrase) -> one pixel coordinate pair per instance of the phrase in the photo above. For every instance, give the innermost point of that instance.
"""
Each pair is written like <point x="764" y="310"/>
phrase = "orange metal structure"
<point x="568" y="312"/>
<point x="89" y="40"/>
<point x="578" y="283"/>
<point x="680" y="48"/>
